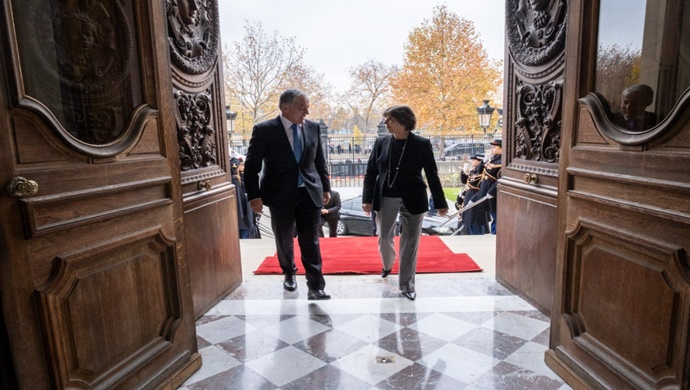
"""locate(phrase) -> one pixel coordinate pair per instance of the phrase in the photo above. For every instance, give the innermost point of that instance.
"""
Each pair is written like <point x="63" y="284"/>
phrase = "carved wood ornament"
<point x="193" y="29"/>
<point x="80" y="64"/>
<point x="193" y="43"/>
<point x="538" y="127"/>
<point x="195" y="136"/>
<point x="536" y="35"/>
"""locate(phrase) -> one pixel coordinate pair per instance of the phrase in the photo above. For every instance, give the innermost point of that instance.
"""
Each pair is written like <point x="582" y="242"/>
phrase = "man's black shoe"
<point x="411" y="295"/>
<point x="385" y="273"/>
<point x="290" y="283"/>
<point x="317" y="295"/>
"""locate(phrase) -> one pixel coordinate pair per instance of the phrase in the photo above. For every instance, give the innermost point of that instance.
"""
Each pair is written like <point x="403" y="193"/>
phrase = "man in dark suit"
<point x="294" y="184"/>
<point x="331" y="214"/>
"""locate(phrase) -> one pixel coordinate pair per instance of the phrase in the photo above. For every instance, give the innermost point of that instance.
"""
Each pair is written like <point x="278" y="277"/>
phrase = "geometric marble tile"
<point x="369" y="328"/>
<point x="285" y="365"/>
<point x="419" y="377"/>
<point x="295" y="329"/>
<point x="363" y="364"/>
<point x="252" y="345"/>
<point x="443" y="327"/>
<point x="531" y="357"/>
<point x="517" y="325"/>
<point x="490" y="342"/>
<point x="506" y="376"/>
<point x="223" y="329"/>
<point x="460" y="363"/>
<point x="326" y="377"/>
<point x="240" y="377"/>
<point x="410" y="343"/>
<point x="330" y="345"/>
<point x="215" y="360"/>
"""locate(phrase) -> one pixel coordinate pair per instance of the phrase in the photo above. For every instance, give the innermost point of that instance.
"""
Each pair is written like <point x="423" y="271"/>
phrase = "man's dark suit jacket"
<point x="278" y="185"/>
<point x="646" y="121"/>
<point x="333" y="206"/>
<point x="418" y="156"/>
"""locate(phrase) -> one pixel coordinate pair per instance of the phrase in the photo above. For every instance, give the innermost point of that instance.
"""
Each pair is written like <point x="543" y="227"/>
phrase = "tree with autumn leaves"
<point x="446" y="73"/>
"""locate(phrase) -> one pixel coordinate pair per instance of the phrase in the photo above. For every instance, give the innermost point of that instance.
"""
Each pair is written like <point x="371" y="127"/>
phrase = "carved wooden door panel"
<point x="621" y="317"/>
<point x="210" y="203"/>
<point x="93" y="279"/>
<point x="528" y="190"/>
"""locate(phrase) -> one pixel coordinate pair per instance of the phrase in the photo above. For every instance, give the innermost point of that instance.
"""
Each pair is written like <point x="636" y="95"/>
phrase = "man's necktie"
<point x="297" y="150"/>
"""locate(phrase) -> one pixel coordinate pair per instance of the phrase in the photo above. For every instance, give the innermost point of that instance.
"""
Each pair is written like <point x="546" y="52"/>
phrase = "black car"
<point x="354" y="221"/>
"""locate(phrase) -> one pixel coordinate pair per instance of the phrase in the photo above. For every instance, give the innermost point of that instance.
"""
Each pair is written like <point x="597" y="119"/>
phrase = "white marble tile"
<point x="363" y="365"/>
<point x="285" y="365"/>
<point x="517" y="325"/>
<point x="214" y="361"/>
<point x="443" y="327"/>
<point x="223" y="329"/>
<point x="295" y="329"/>
<point x="460" y="363"/>
<point x="531" y="357"/>
<point x="369" y="328"/>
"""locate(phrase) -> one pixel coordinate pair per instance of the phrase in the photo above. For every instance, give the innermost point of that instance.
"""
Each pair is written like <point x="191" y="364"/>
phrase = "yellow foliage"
<point x="446" y="74"/>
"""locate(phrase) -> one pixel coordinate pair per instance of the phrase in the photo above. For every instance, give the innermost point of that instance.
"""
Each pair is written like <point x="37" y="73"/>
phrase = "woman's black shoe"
<point x="385" y="273"/>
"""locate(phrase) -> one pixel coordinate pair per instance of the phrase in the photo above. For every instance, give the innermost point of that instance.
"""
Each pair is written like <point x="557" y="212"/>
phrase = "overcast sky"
<point x="339" y="35"/>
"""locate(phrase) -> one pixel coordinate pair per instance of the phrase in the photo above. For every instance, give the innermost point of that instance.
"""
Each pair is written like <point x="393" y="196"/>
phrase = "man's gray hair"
<point x="289" y="96"/>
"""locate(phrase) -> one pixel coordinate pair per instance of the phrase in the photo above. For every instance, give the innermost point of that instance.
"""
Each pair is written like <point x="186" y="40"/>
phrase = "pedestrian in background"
<point x="330" y="214"/>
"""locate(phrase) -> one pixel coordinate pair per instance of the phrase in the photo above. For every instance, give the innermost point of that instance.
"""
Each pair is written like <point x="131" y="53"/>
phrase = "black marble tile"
<point x="327" y="378"/>
<point x="240" y="377"/>
<point x="202" y="343"/>
<point x="207" y="319"/>
<point x="505" y="376"/>
<point x="262" y="321"/>
<point x="404" y="319"/>
<point x="410" y="344"/>
<point x="252" y="345"/>
<point x="330" y="345"/>
<point x="474" y="317"/>
<point x="543" y="337"/>
<point x="490" y="342"/>
<point x="418" y="377"/>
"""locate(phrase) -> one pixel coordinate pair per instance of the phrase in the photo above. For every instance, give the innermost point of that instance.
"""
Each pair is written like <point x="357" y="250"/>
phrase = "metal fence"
<point x="347" y="155"/>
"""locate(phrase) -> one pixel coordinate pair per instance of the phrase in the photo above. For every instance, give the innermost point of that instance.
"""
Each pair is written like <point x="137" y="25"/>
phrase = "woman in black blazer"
<point x="393" y="183"/>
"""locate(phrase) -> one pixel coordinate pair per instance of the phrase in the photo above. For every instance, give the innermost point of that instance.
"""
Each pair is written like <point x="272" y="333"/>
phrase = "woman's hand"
<point x="442" y="212"/>
<point x="367" y="208"/>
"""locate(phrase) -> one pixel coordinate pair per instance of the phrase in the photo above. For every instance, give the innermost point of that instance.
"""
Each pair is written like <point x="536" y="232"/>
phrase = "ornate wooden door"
<point x="210" y="201"/>
<point x="93" y="278"/>
<point x="528" y="190"/>
<point x="621" y="316"/>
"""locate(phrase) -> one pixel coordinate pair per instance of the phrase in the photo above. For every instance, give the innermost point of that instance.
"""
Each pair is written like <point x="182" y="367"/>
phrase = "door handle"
<point x="204" y="185"/>
<point x="19" y="187"/>
<point x="531" y="178"/>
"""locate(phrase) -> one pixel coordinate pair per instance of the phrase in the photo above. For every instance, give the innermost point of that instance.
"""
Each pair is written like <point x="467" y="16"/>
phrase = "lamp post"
<point x="485" y="111"/>
<point x="230" y="116"/>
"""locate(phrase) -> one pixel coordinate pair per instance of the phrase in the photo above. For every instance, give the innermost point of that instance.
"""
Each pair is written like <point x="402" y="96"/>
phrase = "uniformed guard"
<point x="473" y="220"/>
<point x="488" y="185"/>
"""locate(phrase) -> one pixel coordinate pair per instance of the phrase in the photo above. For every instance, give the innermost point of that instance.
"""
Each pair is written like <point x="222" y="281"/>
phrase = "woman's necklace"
<point x="397" y="168"/>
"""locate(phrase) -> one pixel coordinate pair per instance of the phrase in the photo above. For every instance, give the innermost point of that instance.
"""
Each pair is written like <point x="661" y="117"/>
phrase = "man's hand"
<point x="325" y="211"/>
<point x="257" y="205"/>
<point x="326" y="197"/>
<point x="442" y="212"/>
<point x="367" y="208"/>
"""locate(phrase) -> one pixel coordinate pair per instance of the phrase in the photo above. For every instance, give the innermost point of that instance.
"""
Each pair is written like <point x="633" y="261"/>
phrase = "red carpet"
<point x="359" y="255"/>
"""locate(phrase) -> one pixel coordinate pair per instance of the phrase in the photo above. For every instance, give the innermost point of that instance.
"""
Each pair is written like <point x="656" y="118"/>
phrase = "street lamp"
<point x="230" y="116"/>
<point x="485" y="111"/>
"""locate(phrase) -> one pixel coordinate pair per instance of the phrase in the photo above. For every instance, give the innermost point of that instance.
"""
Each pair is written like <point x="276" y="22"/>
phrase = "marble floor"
<point x="464" y="331"/>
